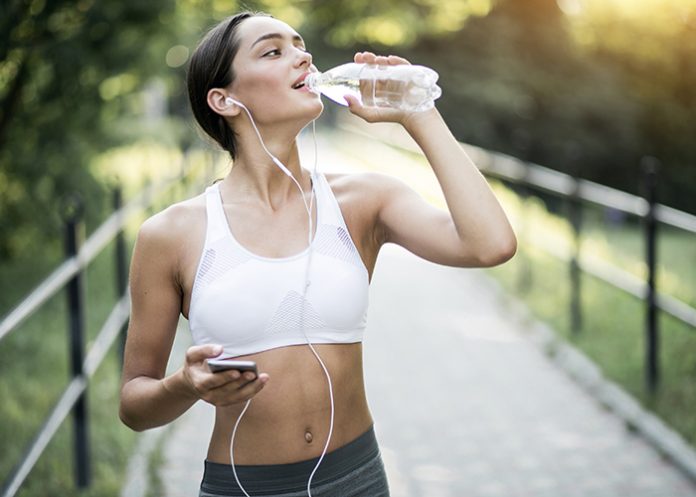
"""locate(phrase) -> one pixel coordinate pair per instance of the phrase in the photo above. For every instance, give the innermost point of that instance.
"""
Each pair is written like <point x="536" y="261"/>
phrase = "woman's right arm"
<point x="148" y="398"/>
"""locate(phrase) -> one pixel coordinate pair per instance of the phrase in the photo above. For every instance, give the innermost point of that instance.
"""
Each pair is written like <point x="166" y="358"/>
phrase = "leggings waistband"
<point x="272" y="478"/>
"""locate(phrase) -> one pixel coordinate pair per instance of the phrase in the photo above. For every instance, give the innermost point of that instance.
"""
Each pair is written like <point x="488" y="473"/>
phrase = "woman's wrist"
<point x="415" y="121"/>
<point x="178" y="385"/>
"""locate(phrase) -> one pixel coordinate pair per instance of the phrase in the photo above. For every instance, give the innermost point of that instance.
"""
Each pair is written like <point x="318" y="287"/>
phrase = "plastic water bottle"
<point x="402" y="86"/>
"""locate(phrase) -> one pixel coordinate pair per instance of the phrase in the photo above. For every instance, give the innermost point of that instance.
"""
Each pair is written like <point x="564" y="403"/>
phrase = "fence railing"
<point x="576" y="192"/>
<point x="70" y="274"/>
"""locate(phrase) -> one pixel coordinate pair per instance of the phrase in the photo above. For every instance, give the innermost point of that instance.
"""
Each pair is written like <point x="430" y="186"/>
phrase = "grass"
<point x="34" y="367"/>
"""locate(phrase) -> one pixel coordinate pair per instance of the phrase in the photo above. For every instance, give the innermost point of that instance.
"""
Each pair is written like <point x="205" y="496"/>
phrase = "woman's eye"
<point x="272" y="52"/>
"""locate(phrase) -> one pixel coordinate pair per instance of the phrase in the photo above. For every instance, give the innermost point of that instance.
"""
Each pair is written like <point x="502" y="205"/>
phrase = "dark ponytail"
<point x="211" y="67"/>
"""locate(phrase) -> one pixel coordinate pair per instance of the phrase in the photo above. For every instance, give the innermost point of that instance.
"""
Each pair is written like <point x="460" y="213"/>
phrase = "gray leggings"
<point x="354" y="470"/>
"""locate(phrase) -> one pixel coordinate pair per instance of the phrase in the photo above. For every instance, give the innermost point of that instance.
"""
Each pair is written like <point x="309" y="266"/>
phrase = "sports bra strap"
<point x="331" y="211"/>
<point x="217" y="222"/>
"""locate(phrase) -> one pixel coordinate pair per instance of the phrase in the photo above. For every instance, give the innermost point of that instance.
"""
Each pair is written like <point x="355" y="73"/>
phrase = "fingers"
<point x="370" y="58"/>
<point x="361" y="57"/>
<point x="353" y="103"/>
<point x="239" y="390"/>
<point x="199" y="353"/>
<point x="372" y="114"/>
<point x="229" y="387"/>
<point x="208" y="380"/>
<point x="395" y="60"/>
<point x="369" y="114"/>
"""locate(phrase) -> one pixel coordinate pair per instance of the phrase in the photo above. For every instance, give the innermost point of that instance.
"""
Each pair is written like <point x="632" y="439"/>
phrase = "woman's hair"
<point x="211" y="67"/>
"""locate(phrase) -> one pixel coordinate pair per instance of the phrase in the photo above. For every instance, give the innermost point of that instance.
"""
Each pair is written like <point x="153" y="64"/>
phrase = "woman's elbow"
<point x="129" y="412"/>
<point x="129" y="420"/>
<point x="499" y="252"/>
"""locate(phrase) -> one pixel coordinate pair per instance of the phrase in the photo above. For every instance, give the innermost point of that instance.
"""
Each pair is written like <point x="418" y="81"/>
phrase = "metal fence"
<point x="70" y="275"/>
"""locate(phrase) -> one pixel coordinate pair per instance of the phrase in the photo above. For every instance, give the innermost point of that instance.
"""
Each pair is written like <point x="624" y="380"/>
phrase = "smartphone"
<point x="217" y="365"/>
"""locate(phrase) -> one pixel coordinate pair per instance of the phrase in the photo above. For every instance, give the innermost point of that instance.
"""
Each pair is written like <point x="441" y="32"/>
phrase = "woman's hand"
<point x="373" y="114"/>
<point x="220" y="389"/>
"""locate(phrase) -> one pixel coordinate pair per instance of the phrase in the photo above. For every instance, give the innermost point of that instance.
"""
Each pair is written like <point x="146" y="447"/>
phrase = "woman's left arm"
<point x="475" y="231"/>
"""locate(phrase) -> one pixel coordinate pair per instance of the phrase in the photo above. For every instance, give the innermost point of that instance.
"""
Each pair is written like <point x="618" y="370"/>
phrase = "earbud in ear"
<point x="229" y="101"/>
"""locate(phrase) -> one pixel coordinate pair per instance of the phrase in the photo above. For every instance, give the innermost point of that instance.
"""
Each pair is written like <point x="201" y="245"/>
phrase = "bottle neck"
<point x="313" y="80"/>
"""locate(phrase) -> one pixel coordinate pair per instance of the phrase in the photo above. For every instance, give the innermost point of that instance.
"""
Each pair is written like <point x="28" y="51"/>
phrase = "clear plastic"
<point x="403" y="86"/>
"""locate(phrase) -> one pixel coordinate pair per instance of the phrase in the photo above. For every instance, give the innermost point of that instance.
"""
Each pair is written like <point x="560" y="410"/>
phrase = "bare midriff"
<point x="288" y="421"/>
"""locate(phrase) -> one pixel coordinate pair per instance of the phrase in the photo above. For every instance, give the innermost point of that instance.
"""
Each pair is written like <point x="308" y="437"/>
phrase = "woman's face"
<point x="272" y="58"/>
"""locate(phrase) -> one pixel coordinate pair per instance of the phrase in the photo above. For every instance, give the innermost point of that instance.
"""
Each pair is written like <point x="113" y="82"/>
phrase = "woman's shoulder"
<point x="175" y="223"/>
<point x="367" y="188"/>
<point x="362" y="182"/>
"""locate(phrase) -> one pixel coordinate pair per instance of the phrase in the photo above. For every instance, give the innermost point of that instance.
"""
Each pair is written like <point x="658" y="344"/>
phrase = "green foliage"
<point x="529" y="93"/>
<point x="652" y="45"/>
<point x="67" y="71"/>
<point x="390" y="23"/>
<point x="522" y="85"/>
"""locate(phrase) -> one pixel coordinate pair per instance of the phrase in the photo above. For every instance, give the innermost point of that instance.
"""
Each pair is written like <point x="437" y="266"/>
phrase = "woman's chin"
<point x="310" y="113"/>
<point x="319" y="111"/>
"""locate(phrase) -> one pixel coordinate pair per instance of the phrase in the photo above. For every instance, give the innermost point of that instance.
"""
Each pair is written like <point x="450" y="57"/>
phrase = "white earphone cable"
<point x="316" y="354"/>
<point x="234" y="432"/>
<point x="308" y="208"/>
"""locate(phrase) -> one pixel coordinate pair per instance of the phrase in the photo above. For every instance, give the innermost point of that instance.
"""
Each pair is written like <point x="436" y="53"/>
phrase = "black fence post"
<point x="650" y="168"/>
<point x="121" y="266"/>
<point x="74" y="235"/>
<point x="575" y="215"/>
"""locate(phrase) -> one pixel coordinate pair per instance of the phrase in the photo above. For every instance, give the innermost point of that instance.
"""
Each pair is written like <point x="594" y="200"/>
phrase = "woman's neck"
<point x="254" y="175"/>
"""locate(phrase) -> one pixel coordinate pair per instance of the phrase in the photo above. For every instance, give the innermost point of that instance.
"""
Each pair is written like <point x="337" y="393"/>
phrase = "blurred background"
<point x="92" y="96"/>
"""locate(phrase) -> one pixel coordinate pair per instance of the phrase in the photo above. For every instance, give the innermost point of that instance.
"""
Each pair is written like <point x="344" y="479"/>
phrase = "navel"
<point x="308" y="437"/>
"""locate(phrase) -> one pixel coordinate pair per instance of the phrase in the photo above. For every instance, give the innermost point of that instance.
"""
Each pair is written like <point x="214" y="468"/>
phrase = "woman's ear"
<point x="220" y="103"/>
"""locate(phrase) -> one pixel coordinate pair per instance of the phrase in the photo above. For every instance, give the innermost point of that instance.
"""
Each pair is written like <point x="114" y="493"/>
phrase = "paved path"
<point x="465" y="404"/>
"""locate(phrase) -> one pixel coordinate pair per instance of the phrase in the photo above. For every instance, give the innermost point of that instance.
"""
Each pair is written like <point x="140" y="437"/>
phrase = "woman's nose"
<point x="303" y="57"/>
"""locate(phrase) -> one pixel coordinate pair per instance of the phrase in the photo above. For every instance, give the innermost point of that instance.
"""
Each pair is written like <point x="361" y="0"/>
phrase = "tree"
<point x="652" y="46"/>
<point x="66" y="71"/>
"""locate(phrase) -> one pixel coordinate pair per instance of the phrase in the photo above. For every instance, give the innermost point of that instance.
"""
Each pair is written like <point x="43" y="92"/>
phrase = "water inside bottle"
<point x="335" y="90"/>
<point x="380" y="93"/>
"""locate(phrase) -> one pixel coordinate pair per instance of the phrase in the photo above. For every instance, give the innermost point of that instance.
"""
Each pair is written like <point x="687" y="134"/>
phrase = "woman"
<point x="234" y="262"/>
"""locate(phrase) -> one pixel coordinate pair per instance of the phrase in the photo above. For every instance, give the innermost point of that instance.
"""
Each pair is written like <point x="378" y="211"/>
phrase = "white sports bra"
<point x="248" y="303"/>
